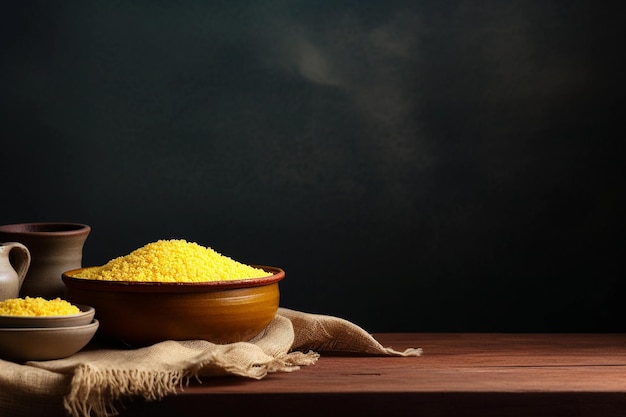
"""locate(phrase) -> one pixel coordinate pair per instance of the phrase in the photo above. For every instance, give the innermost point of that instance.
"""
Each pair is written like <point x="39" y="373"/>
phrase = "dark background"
<point x="412" y="165"/>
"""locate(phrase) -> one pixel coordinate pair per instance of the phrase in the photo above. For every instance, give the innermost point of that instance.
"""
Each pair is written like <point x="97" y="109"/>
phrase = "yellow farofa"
<point x="173" y="260"/>
<point x="37" y="306"/>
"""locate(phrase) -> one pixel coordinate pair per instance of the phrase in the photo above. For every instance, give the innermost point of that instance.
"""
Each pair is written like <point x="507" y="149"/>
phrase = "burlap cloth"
<point x="95" y="382"/>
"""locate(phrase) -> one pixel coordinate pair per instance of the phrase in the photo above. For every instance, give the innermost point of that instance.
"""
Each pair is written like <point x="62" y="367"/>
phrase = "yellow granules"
<point x="172" y="261"/>
<point x="37" y="306"/>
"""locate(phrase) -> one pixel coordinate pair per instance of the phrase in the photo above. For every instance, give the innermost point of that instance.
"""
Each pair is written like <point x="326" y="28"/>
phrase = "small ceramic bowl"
<point x="85" y="316"/>
<point x="143" y="313"/>
<point x="36" y="344"/>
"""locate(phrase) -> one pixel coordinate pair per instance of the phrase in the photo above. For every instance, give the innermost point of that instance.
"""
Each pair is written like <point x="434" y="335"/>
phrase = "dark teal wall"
<point x="411" y="165"/>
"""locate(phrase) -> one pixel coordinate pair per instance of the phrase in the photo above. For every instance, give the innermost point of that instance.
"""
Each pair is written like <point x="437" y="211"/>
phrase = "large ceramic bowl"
<point x="85" y="316"/>
<point x="143" y="313"/>
<point x="38" y="344"/>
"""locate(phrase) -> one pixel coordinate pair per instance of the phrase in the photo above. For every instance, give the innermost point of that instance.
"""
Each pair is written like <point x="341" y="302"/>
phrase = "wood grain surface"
<point x="459" y="374"/>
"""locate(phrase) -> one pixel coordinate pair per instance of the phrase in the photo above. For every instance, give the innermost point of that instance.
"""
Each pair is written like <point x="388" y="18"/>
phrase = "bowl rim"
<point x="45" y="229"/>
<point x="277" y="274"/>
<point x="92" y="324"/>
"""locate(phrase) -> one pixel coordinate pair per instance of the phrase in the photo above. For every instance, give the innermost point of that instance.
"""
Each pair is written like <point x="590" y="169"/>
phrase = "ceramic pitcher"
<point x="14" y="263"/>
<point x="54" y="248"/>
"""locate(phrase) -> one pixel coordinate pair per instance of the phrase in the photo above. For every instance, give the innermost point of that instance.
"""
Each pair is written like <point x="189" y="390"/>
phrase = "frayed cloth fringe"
<point x="95" y="392"/>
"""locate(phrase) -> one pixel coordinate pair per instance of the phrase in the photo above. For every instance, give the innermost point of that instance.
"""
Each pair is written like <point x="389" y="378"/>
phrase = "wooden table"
<point x="461" y="374"/>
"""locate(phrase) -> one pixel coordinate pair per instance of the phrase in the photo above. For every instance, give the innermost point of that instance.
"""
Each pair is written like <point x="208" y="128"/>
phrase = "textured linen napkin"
<point x="94" y="382"/>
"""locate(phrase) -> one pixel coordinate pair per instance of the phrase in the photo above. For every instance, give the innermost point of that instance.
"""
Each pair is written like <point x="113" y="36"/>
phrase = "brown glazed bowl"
<point x="144" y="313"/>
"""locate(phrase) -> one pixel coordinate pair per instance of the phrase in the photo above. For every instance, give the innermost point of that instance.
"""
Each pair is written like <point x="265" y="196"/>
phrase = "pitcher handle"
<point x="20" y="259"/>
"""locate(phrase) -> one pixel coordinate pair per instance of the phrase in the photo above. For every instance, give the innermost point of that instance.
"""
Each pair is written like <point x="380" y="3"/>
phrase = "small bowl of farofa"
<point x="177" y="290"/>
<point x="31" y="312"/>
<point x="33" y="328"/>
